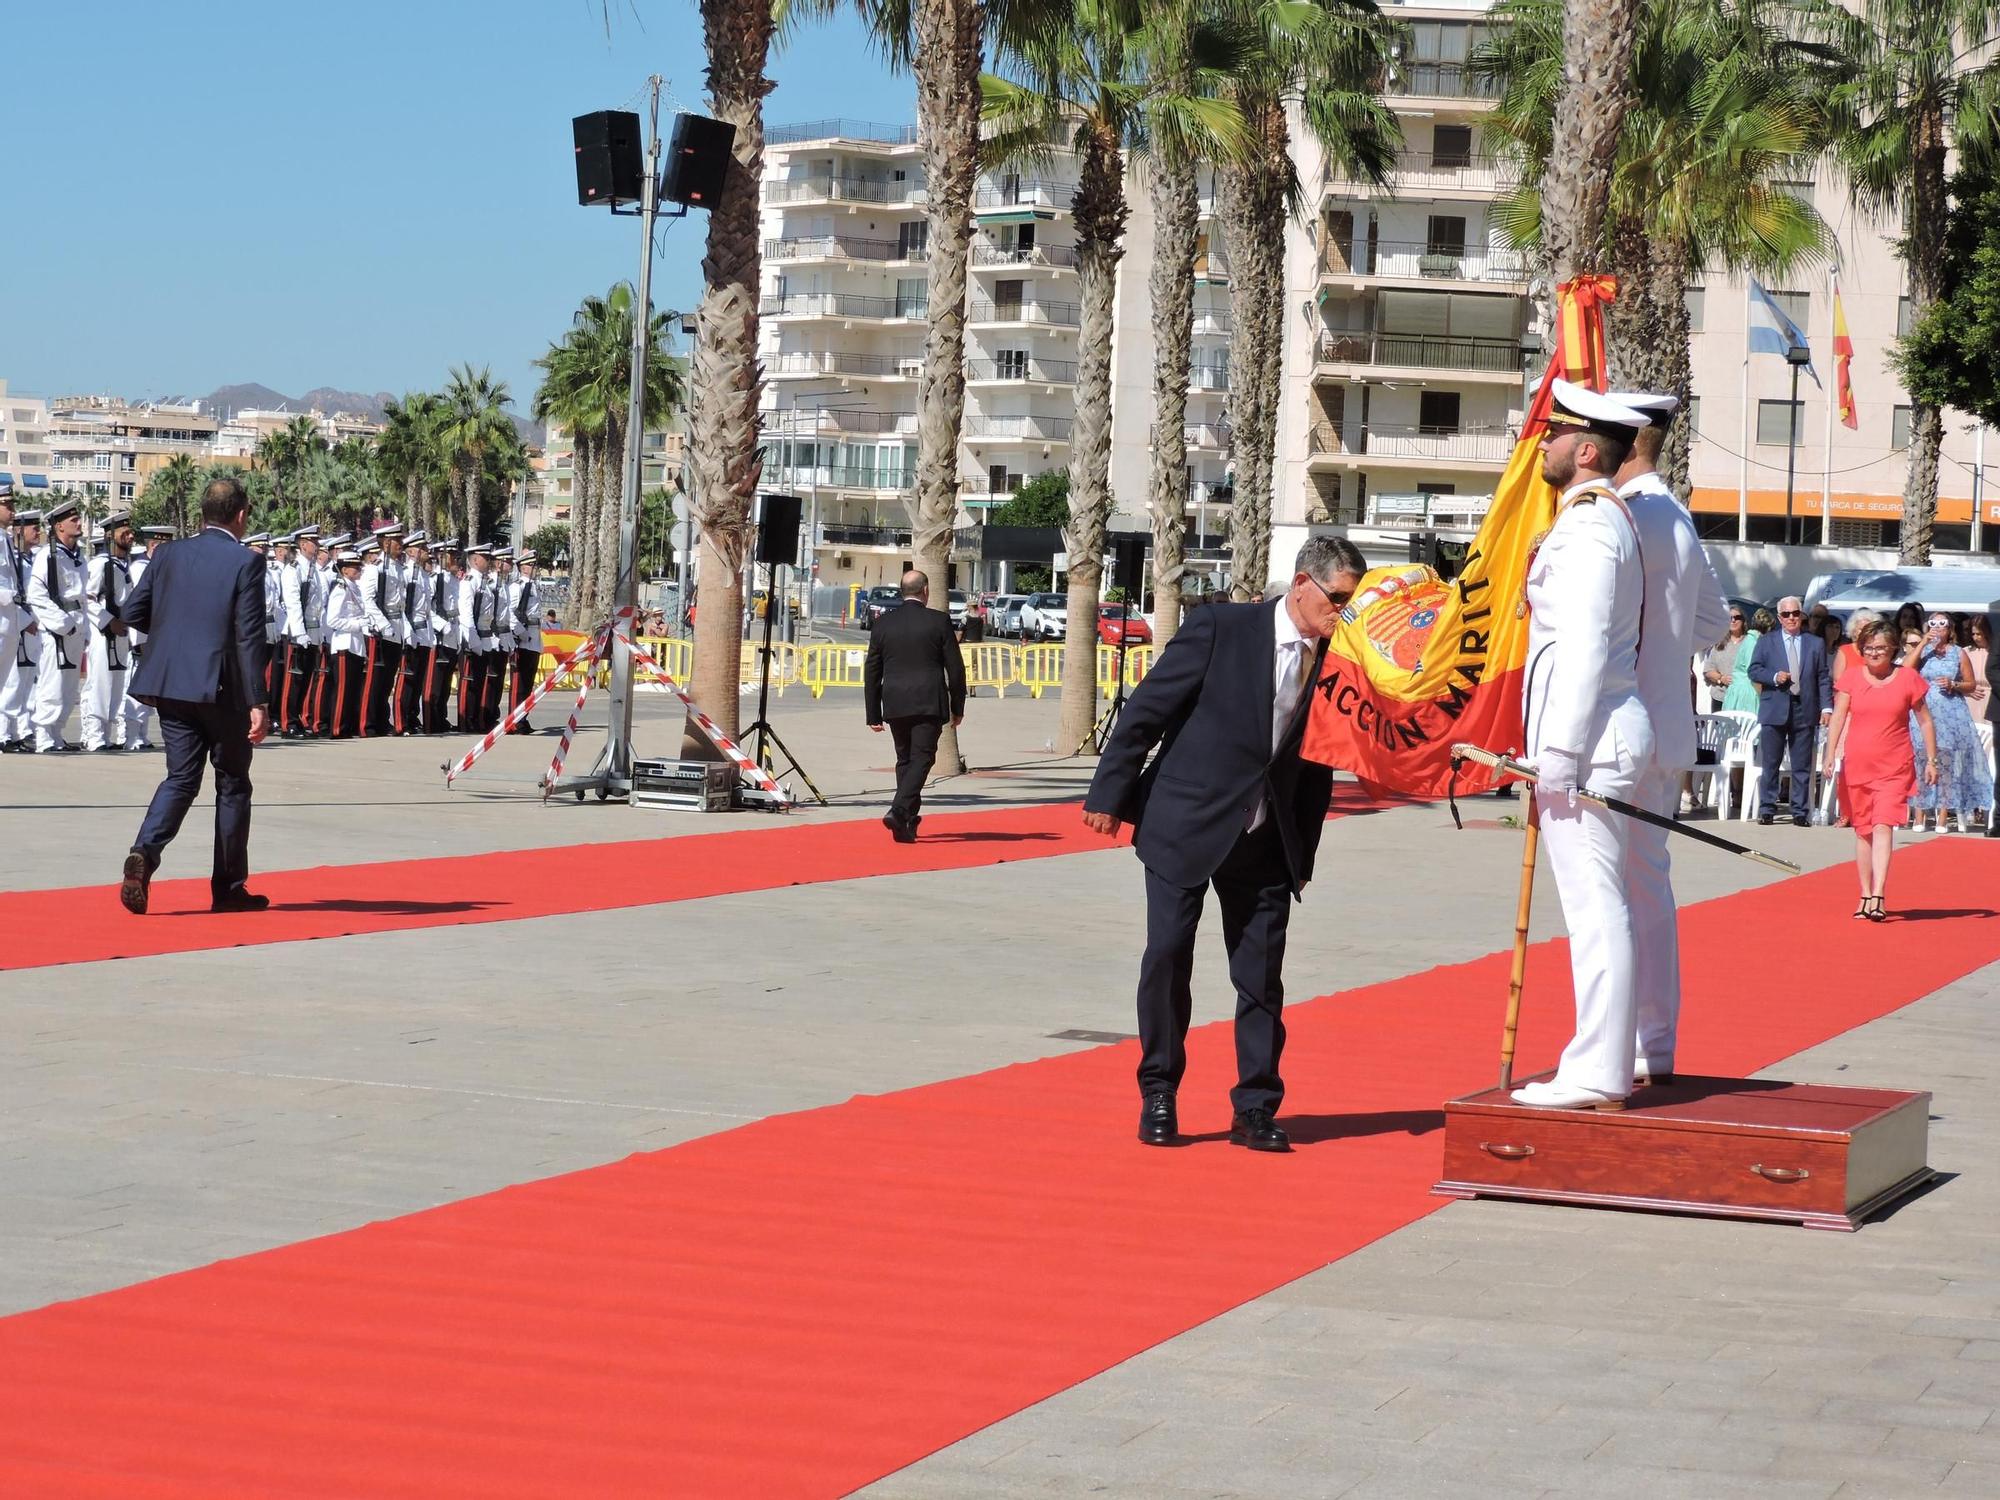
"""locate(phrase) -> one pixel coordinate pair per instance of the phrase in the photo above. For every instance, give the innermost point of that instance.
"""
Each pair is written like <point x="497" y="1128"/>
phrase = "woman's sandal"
<point x="1875" y="911"/>
<point x="1861" y="911"/>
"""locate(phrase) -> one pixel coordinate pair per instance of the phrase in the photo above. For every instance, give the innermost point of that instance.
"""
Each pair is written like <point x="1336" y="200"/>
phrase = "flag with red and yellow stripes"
<point x="1843" y="361"/>
<point x="1417" y="663"/>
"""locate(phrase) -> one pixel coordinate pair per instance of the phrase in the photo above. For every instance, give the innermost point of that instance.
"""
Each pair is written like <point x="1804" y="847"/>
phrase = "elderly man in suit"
<point x="201" y="604"/>
<point x="1790" y="666"/>
<point x="1226" y="802"/>
<point x="914" y="680"/>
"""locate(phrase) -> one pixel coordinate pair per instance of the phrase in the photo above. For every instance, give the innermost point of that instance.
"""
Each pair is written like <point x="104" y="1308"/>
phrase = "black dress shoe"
<point x="239" y="900"/>
<point x="1764" y="819"/>
<point x="1159" y="1125"/>
<point x="1257" y="1129"/>
<point x="903" y="833"/>
<point x="137" y="884"/>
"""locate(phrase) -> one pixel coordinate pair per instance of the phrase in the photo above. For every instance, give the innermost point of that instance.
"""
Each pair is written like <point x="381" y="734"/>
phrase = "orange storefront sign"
<point x="1845" y="507"/>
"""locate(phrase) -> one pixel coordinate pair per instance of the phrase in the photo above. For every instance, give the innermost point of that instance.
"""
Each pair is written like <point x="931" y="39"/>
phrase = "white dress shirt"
<point x="1291" y="660"/>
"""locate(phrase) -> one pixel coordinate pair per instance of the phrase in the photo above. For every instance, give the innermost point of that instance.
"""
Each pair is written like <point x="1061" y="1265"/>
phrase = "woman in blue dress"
<point x="1963" y="785"/>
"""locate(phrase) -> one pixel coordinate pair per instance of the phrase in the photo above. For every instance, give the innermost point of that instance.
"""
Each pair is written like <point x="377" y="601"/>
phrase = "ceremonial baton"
<point x="1516" y="768"/>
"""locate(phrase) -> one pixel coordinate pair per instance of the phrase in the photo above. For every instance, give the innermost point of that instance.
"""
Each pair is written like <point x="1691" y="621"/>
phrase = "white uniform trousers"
<point x="10" y="648"/>
<point x="1588" y="848"/>
<point x="56" y="689"/>
<point x="1656" y="939"/>
<point x="17" y="685"/>
<point x="104" y="697"/>
<point x="134" y="712"/>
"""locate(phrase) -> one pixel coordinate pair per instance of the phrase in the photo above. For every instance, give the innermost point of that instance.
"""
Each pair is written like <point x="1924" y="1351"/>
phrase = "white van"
<point x="1885" y="590"/>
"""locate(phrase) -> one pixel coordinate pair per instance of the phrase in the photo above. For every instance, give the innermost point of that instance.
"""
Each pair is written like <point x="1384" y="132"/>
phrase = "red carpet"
<point x="801" y="1305"/>
<point x="86" y="923"/>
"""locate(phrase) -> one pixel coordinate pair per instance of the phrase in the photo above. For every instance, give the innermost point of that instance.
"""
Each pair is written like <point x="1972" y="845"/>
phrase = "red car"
<point x="1116" y="622"/>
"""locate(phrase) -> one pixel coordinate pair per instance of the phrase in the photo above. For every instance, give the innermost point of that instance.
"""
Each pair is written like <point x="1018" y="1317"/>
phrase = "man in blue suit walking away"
<point x="1789" y="664"/>
<point x="201" y="604"/>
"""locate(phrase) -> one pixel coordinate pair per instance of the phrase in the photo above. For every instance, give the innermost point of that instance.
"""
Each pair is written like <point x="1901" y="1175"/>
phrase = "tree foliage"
<point x="1042" y="501"/>
<point x="1952" y="356"/>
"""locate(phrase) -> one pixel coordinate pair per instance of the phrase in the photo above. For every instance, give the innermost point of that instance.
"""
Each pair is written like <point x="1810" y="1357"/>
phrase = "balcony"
<point x="862" y="131"/>
<point x="1446" y="173"/>
<point x="806" y="363"/>
<point x="843" y="305"/>
<point x="873" y="191"/>
<point x="1211" y="492"/>
<point x="864" y="536"/>
<point x="1041" y="257"/>
<point x="1022" y="371"/>
<point x="1208" y="377"/>
<point x="802" y="478"/>
<point x="1205" y="437"/>
<point x="1427" y="510"/>
<point x="1475" y="446"/>
<point x="994" y="199"/>
<point x="800" y="420"/>
<point x="1419" y="261"/>
<point x="843" y="247"/>
<point x="1422" y="351"/>
<point x="1040" y="314"/>
<point x="1017" y="429"/>
<point x="1212" y="322"/>
<point x="1439" y="80"/>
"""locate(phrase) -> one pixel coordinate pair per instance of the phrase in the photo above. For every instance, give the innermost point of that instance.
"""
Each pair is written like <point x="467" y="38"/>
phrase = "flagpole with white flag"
<point x="1743" y="447"/>
<point x="1769" y="329"/>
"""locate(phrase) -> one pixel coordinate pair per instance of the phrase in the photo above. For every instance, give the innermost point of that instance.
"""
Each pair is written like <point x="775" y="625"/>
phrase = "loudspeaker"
<point x="608" y="168"/>
<point x="697" y="161"/>
<point x="1128" y="572"/>
<point x="778" y="529"/>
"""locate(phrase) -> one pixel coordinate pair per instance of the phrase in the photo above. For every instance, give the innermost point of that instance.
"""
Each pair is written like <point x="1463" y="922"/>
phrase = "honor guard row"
<point x="390" y="634"/>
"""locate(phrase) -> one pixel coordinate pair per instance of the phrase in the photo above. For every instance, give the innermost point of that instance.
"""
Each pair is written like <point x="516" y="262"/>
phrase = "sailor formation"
<point x="392" y="634"/>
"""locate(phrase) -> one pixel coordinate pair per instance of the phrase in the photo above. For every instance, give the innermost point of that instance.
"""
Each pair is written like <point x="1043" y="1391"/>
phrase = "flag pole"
<point x="1832" y="400"/>
<point x="1518" y="973"/>
<point x="1791" y="450"/>
<point x="1743" y="447"/>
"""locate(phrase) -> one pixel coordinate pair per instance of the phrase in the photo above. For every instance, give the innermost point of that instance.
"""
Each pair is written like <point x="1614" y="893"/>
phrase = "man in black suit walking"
<point x="201" y="604"/>
<point x="915" y="680"/>
<point x="1227" y="802"/>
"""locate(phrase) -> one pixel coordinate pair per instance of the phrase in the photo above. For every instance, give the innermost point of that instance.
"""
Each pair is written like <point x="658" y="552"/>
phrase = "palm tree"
<point x="1587" y="121"/>
<point x="274" y="455"/>
<point x="408" y="453"/>
<point x="175" y="482"/>
<point x="560" y="402"/>
<point x="1325" y="58"/>
<point x="1086" y="82"/>
<point x="727" y="379"/>
<point x="1908" y="95"/>
<point x="474" y="422"/>
<point x="1724" y="110"/>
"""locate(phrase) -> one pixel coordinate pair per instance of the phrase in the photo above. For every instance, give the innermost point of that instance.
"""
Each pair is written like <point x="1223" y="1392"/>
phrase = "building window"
<point x="100" y="460"/>
<point x="1451" y="146"/>
<point x="1803" y="191"/>
<point x="1437" y="411"/>
<point x="1795" y="305"/>
<point x="1697" y="306"/>
<point x="1899" y="428"/>
<point x="1446" y="235"/>
<point x="1855" y="533"/>
<point x="1432" y="487"/>
<point x="1694" y="413"/>
<point x="1903" y="316"/>
<point x="1775" y="421"/>
<point x="125" y="491"/>
<point x="128" y="461"/>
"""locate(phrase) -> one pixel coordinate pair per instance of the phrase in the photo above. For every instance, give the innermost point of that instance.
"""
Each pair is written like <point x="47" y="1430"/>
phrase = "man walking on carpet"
<point x="914" y="680"/>
<point x="1797" y="698"/>
<point x="201" y="604"/>
<point x="1226" y="802"/>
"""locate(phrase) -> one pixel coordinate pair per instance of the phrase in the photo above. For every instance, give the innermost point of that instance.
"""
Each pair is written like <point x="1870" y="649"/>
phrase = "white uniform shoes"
<point x="1555" y="1094"/>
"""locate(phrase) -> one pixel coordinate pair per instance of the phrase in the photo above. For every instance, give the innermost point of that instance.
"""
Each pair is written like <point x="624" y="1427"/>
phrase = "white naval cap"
<point x="257" y="539"/>
<point x="1580" y="406"/>
<point x="1657" y="407"/>
<point x="387" y="529"/>
<point x="345" y="556"/>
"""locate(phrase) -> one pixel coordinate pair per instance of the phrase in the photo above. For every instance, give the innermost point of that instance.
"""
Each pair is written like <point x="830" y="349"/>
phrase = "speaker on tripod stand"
<point x="777" y="546"/>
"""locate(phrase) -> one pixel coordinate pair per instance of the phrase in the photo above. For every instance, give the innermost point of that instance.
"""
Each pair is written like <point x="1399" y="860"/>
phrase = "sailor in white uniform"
<point x="57" y="579"/>
<point x="347" y="638"/>
<point x="1587" y="728"/>
<point x="1686" y="612"/>
<point x="110" y="650"/>
<point x="138" y="716"/>
<point x="17" y="666"/>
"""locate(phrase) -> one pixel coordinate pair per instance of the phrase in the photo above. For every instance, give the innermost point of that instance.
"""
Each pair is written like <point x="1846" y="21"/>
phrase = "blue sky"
<point x="358" y="195"/>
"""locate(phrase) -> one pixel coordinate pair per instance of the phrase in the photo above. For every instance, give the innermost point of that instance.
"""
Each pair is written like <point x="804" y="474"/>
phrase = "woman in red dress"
<point x="1872" y="707"/>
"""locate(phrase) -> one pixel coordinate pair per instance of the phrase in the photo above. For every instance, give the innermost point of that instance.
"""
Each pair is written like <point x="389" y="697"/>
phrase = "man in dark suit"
<point x="201" y="604"/>
<point x="914" y="680"/>
<point x="1789" y="664"/>
<point x="1226" y="802"/>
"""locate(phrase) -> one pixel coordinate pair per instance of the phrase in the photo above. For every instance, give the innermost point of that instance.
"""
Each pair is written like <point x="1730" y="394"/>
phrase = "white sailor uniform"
<point x="105" y="720"/>
<point x="57" y="580"/>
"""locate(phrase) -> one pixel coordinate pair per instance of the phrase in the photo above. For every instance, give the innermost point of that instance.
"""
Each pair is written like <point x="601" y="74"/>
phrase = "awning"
<point x="1014" y="216"/>
<point x="34" y="481"/>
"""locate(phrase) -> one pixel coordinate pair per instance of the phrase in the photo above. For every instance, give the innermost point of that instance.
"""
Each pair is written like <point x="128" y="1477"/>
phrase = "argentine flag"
<point x="1772" y="332"/>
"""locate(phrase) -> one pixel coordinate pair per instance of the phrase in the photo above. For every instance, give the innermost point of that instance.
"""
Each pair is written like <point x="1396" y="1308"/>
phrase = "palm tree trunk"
<point x="727" y="380"/>
<point x="414" y="492"/>
<point x="1668" y="269"/>
<point x="1176" y="226"/>
<point x="1253" y="204"/>
<point x="950" y="37"/>
<point x="582" y="610"/>
<point x="1099" y="210"/>
<point x="1925" y="212"/>
<point x="610" y="511"/>
<point x="473" y="474"/>
<point x="1589" y="114"/>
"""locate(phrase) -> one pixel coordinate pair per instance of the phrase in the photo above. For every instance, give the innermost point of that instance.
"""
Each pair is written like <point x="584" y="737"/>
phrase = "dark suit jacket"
<point x="1815" y="681"/>
<point x="914" y="669"/>
<point x="1207" y="704"/>
<point x="201" y="603"/>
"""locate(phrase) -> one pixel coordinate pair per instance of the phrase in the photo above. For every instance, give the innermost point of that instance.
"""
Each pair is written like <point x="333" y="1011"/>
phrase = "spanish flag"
<point x="1417" y="663"/>
<point x="1843" y="361"/>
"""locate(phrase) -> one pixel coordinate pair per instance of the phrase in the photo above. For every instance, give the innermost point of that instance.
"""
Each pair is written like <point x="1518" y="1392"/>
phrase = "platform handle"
<point x="1780" y="1174"/>
<point x="1511" y="1152"/>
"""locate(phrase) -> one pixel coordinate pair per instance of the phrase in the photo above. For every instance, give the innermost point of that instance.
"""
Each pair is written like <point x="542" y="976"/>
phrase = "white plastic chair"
<point x="1741" y="755"/>
<point x="1712" y="733"/>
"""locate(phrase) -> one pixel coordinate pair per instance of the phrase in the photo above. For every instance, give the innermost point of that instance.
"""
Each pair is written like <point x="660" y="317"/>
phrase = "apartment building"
<point x="106" y="443"/>
<point x="24" y="454"/>
<point x="552" y="491"/>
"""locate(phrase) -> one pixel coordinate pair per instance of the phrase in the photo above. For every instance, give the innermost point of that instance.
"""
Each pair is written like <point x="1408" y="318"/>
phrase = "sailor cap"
<point x="345" y="556"/>
<point x="59" y="512"/>
<point x="1579" y="406"/>
<point x="417" y="539"/>
<point x="116" y="519"/>
<point x="479" y="549"/>
<point x="387" y="529"/>
<point x="306" y="533"/>
<point x="341" y="540"/>
<point x="527" y="556"/>
<point x="161" y="533"/>
<point x="1657" y="408"/>
<point x="257" y="539"/>
<point x="27" y="518"/>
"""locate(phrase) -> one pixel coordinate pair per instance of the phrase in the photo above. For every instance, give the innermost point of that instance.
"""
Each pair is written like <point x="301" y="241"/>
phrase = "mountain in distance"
<point x="230" y="398"/>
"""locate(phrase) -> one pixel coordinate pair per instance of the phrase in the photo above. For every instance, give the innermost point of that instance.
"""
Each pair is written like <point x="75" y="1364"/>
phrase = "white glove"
<point x="1555" y="773"/>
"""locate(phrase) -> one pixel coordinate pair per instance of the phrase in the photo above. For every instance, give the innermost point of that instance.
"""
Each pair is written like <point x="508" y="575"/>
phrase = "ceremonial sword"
<point x="1506" y="763"/>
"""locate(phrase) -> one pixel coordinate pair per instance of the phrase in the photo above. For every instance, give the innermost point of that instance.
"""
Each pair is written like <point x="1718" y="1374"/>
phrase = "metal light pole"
<point x="1797" y="359"/>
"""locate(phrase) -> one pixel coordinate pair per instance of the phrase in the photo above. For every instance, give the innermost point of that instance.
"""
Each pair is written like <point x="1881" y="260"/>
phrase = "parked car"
<point x="1045" y="616"/>
<point x="869" y="607"/>
<point x="1003" y="613"/>
<point x="956" y="602"/>
<point x="1116" y="622"/>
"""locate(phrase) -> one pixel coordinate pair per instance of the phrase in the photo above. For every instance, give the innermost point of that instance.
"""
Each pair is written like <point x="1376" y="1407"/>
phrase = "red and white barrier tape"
<point x="569" y="729"/>
<point x="522" y="709"/>
<point x="754" y="772"/>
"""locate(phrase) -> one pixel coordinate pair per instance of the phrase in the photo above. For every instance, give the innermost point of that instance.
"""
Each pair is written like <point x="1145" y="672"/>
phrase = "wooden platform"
<point x="1746" y="1148"/>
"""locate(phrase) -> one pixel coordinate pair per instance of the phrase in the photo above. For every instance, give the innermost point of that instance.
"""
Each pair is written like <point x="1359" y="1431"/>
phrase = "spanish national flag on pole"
<point x="1843" y="362"/>
<point x="1417" y="663"/>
